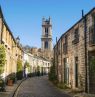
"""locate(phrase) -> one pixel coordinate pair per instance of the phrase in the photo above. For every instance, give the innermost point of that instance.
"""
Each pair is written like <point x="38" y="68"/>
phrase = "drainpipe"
<point x="85" y="45"/>
<point x="1" y="31"/>
<point x="53" y="55"/>
<point x="2" y="19"/>
<point x="57" y="58"/>
<point x="61" y="63"/>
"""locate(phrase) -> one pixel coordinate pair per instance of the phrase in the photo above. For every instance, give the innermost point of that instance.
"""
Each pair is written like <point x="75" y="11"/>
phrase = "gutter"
<point x="85" y="45"/>
<point x="57" y="58"/>
<point x="1" y="30"/>
<point x="61" y="63"/>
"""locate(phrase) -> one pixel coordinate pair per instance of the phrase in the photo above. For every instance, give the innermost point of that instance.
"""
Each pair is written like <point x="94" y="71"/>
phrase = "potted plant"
<point x="11" y="79"/>
<point x="10" y="82"/>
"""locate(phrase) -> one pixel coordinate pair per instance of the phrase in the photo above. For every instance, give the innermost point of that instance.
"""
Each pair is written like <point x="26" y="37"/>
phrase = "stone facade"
<point x="37" y="61"/>
<point x="36" y="51"/>
<point x="72" y="54"/>
<point x="13" y="49"/>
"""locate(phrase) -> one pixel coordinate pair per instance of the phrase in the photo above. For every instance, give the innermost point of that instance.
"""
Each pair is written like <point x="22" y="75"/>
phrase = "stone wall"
<point x="73" y="46"/>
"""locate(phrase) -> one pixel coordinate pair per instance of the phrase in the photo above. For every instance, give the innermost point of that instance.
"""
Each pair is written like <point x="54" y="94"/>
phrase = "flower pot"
<point x="10" y="82"/>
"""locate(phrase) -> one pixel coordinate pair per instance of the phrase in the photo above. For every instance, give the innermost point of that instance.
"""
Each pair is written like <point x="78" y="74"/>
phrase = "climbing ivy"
<point x="19" y="65"/>
<point x="2" y="58"/>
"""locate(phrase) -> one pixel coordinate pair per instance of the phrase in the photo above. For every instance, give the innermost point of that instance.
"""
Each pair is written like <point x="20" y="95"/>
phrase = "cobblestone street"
<point x="39" y="87"/>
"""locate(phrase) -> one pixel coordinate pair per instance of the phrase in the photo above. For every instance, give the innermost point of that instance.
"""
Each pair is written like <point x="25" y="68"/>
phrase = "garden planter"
<point x="10" y="82"/>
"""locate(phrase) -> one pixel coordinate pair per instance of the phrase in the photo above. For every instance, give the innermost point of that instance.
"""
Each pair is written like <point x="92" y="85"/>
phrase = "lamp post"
<point x="18" y="40"/>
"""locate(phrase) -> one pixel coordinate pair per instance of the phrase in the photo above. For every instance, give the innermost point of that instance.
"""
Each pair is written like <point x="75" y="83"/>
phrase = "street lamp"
<point x="18" y="40"/>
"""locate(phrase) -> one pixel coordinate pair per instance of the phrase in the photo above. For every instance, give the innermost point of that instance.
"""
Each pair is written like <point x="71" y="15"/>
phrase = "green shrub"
<point x="2" y="58"/>
<point x="30" y="75"/>
<point x="52" y="74"/>
<point x="38" y="73"/>
<point x="2" y="64"/>
<point x="19" y="65"/>
<point x="12" y="77"/>
<point x="19" y="75"/>
<point x="62" y="86"/>
<point x="2" y="85"/>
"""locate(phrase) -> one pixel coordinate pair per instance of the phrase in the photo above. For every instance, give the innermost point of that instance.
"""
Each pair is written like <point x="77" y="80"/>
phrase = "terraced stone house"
<point x="74" y="54"/>
<point x="12" y="48"/>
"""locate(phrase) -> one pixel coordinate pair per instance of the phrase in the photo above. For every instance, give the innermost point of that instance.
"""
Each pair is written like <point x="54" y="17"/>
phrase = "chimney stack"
<point x="56" y="39"/>
<point x="82" y="13"/>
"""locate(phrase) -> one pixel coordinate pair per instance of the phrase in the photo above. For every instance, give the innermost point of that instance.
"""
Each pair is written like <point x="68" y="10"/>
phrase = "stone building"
<point x="46" y="38"/>
<point x="74" y="54"/>
<point x="36" y="51"/>
<point x="12" y="47"/>
<point x="37" y="61"/>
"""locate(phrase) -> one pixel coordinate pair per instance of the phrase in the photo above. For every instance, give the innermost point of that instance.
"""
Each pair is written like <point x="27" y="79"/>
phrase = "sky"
<point x="24" y="17"/>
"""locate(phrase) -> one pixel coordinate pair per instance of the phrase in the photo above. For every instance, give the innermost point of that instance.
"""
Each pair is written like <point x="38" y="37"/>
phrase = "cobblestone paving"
<point x="39" y="87"/>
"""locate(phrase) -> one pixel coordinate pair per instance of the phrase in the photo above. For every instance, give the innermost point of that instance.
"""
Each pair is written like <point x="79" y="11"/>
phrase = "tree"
<point x="19" y="65"/>
<point x="2" y="64"/>
<point x="19" y="69"/>
<point x="2" y="58"/>
<point x="52" y="74"/>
